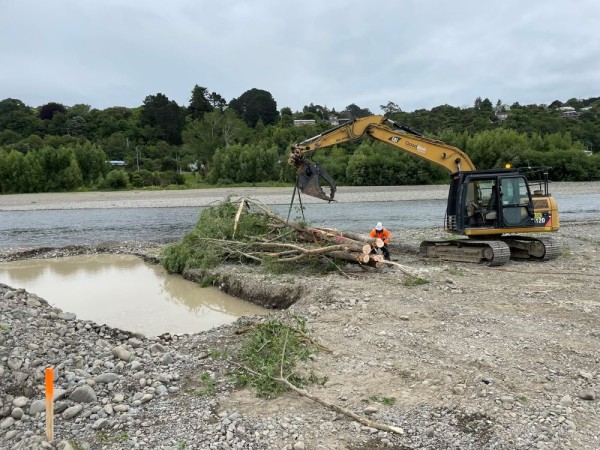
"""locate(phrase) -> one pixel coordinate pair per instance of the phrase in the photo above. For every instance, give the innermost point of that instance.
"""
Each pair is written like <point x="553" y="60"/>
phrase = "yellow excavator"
<point x="489" y="207"/>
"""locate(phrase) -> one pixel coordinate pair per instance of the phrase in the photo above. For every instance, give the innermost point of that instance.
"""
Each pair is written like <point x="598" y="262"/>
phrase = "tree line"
<point x="54" y="147"/>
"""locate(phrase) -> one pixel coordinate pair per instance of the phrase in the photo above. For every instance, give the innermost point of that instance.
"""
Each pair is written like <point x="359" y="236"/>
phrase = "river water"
<point x="56" y="228"/>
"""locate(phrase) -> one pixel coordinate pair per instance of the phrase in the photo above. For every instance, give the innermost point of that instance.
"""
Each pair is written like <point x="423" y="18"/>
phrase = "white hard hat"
<point x="379" y="226"/>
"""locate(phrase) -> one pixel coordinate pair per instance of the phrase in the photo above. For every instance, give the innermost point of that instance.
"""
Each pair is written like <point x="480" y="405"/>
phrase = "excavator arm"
<point x="400" y="136"/>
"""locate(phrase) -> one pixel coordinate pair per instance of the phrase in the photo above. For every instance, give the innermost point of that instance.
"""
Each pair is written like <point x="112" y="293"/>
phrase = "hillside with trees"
<point x="210" y="141"/>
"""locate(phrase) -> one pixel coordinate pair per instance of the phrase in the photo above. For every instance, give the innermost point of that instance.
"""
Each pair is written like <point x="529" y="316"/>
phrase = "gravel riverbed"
<point x="475" y="358"/>
<point x="270" y="196"/>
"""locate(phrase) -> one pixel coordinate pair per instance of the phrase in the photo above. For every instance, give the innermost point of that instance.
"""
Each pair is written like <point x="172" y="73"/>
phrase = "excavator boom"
<point x="310" y="173"/>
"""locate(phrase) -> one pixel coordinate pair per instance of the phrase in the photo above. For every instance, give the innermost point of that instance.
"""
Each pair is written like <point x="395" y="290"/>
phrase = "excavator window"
<point x="517" y="210"/>
<point x="481" y="202"/>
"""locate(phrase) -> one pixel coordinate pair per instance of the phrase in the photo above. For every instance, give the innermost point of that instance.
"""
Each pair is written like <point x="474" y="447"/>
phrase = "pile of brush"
<point x="246" y="230"/>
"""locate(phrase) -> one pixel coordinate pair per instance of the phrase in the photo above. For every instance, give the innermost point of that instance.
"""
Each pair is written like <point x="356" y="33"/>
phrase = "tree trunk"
<point x="360" y="258"/>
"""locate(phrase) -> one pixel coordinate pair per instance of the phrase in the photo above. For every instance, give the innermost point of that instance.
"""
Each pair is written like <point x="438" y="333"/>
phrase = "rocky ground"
<point x="475" y="358"/>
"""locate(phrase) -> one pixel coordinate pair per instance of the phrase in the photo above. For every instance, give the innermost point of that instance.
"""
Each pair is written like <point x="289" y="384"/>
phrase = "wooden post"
<point x="50" y="404"/>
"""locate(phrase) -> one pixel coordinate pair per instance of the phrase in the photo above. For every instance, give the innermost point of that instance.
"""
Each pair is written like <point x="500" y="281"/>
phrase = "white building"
<point x="304" y="122"/>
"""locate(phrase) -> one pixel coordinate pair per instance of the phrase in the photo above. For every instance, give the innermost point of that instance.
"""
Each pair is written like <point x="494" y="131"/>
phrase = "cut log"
<point x="364" y="258"/>
<point x="350" y="257"/>
<point x="377" y="242"/>
<point x="356" y="236"/>
<point x="375" y="264"/>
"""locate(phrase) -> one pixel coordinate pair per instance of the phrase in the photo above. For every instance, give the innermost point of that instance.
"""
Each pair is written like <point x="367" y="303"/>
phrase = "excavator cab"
<point x="495" y="202"/>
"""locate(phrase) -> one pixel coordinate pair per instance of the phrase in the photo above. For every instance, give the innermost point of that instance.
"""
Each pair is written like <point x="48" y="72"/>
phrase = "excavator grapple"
<point x="309" y="181"/>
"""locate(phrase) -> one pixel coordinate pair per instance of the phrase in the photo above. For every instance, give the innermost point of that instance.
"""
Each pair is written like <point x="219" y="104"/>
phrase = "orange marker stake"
<point x="50" y="404"/>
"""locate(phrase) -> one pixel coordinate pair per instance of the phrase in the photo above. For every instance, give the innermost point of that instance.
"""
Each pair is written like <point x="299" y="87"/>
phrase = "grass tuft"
<point x="414" y="281"/>
<point x="388" y="401"/>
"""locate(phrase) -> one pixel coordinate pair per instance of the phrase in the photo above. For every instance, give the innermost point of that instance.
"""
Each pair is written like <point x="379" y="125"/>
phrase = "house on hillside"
<point x="335" y="121"/>
<point x="570" y="114"/>
<point x="304" y="122"/>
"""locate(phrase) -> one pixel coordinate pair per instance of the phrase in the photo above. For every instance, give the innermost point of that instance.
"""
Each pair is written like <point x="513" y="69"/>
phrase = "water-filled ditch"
<point x="124" y="292"/>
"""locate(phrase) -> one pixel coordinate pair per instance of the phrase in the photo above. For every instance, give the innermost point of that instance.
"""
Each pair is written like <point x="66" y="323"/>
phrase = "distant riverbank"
<point x="270" y="196"/>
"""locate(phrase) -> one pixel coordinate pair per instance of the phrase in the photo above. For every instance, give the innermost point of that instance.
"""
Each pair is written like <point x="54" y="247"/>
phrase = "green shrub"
<point x="115" y="179"/>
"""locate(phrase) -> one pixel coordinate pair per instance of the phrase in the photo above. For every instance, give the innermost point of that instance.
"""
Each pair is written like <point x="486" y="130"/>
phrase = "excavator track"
<point x="533" y="248"/>
<point x="492" y="253"/>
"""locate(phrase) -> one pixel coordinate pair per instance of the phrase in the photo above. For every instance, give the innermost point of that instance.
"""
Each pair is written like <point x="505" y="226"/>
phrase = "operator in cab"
<point x="382" y="233"/>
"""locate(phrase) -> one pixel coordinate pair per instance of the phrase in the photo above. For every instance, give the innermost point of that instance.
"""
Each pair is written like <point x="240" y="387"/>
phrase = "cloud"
<point x="418" y="54"/>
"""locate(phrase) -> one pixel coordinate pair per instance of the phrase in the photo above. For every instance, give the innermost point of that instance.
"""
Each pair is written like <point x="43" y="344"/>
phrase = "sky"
<point x="414" y="53"/>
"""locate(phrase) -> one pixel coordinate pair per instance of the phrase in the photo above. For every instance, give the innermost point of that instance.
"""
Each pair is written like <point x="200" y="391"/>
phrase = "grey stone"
<point x="566" y="400"/>
<point x="33" y="302"/>
<point x="99" y="424"/>
<point x="157" y="348"/>
<point x="370" y="410"/>
<point x="587" y="394"/>
<point x="14" y="362"/>
<point x="19" y="402"/>
<point x="135" y="342"/>
<point x="167" y="359"/>
<point x="37" y="406"/>
<point x="59" y="407"/>
<point x="59" y="394"/>
<point x="17" y="413"/>
<point x="71" y="412"/>
<point x="146" y="398"/>
<point x="105" y="378"/>
<point x="20" y="377"/>
<point x="83" y="394"/>
<point x="121" y="353"/>
<point x="68" y="316"/>
<point x="64" y="445"/>
<point x="11" y="434"/>
<point x="135" y="365"/>
<point x="7" y="423"/>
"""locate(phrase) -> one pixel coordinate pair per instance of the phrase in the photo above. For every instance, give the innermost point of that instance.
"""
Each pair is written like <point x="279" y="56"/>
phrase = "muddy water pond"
<point x="124" y="292"/>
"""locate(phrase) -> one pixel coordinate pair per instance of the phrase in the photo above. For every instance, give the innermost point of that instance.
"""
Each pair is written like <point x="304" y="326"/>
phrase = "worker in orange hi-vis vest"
<point x="382" y="233"/>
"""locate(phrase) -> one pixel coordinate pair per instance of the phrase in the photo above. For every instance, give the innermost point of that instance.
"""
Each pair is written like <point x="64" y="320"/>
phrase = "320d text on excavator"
<point x="495" y="210"/>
